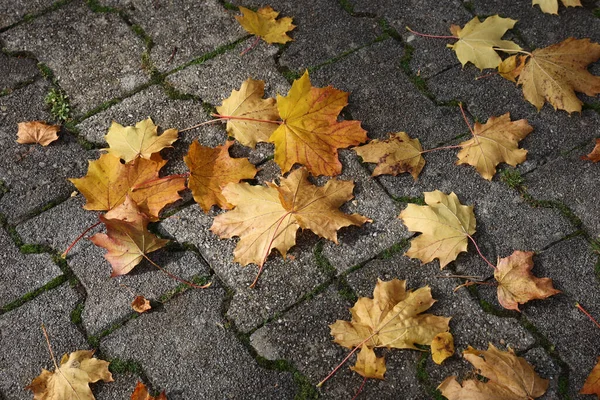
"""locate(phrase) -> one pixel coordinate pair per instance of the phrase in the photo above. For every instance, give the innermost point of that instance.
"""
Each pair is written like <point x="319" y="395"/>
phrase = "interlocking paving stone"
<point x="179" y="348"/>
<point x="302" y="336"/>
<point x="121" y="388"/>
<point x="181" y="30"/>
<point x="282" y="283"/>
<point x="23" y="349"/>
<point x="34" y="175"/>
<point x="15" y="71"/>
<point x="324" y="31"/>
<point x="20" y="273"/>
<point x="89" y="77"/>
<point x="12" y="11"/>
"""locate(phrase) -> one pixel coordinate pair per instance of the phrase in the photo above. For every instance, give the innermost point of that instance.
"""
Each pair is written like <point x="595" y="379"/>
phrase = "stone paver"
<point x="15" y="11"/>
<point x="15" y="71"/>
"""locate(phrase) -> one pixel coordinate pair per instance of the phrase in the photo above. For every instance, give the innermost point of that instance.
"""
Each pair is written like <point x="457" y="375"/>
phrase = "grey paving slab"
<point x="16" y="71"/>
<point x="20" y="273"/>
<point x="179" y="348"/>
<point x="34" y="175"/>
<point x="303" y="337"/>
<point x="432" y="17"/>
<point x="570" y="180"/>
<point x="89" y="77"/>
<point x="12" y="11"/>
<point x="281" y="285"/>
<point x="324" y="23"/>
<point x="121" y="388"/>
<point x="181" y="30"/>
<point x="23" y="349"/>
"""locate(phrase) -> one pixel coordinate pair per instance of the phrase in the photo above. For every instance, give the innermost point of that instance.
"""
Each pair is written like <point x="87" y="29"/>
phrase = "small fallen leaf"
<point x="551" y="6"/>
<point x="141" y="393"/>
<point x="442" y="347"/>
<point x="445" y="225"/>
<point x="211" y="169"/>
<point x="478" y="41"/>
<point x="71" y="381"/>
<point x="592" y="383"/>
<point x="511" y="67"/>
<point x="594" y="156"/>
<point x="37" y="132"/>
<point x="393" y="156"/>
<point x="140" y="304"/>
<point x="368" y="365"/>
<point x="263" y="23"/>
<point x="141" y="140"/>
<point x="508" y="378"/>
<point x="516" y="284"/>
<point x="494" y="142"/>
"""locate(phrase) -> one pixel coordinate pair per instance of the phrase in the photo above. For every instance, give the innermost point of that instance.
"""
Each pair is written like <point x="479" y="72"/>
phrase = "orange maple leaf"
<point x="37" y="132"/>
<point x="592" y="383"/>
<point x="140" y="304"/>
<point x="141" y="393"/>
<point x="594" y="156"/>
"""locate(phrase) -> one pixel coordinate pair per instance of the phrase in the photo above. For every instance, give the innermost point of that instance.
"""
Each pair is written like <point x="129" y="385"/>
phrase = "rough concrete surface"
<point x="175" y="61"/>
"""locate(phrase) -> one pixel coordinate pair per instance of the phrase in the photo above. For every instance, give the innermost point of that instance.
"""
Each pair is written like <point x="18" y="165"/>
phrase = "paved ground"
<point x="173" y="60"/>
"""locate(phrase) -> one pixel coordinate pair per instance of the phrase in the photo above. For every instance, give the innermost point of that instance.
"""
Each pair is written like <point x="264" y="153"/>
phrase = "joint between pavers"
<point x="59" y="280"/>
<point x="424" y="379"/>
<point x="30" y="17"/>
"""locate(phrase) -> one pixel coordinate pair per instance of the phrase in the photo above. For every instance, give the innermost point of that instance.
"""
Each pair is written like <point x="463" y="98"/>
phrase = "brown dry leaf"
<point x="392" y="318"/>
<point x="250" y="111"/>
<point x="311" y="134"/>
<point x="265" y="218"/>
<point x="511" y="67"/>
<point x="516" y="284"/>
<point x="108" y="182"/>
<point x="556" y="72"/>
<point x="478" y="41"/>
<point x="127" y="238"/>
<point x="141" y="140"/>
<point x="445" y="225"/>
<point x="509" y="378"/>
<point x="211" y="169"/>
<point x="551" y="6"/>
<point x="37" y="132"/>
<point x="141" y="393"/>
<point x="494" y="142"/>
<point x="263" y="23"/>
<point x="368" y="365"/>
<point x="592" y="383"/>
<point x="594" y="156"/>
<point x="442" y="347"/>
<point x="393" y="156"/>
<point x="71" y="381"/>
<point x="140" y="304"/>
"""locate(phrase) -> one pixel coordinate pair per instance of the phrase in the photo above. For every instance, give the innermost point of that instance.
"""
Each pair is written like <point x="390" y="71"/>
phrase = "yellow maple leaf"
<point x="141" y="140"/>
<point x="368" y="365"/>
<point x="551" y="6"/>
<point x="592" y="383"/>
<point x="494" y="142"/>
<point x="250" y="111"/>
<point x="263" y="23"/>
<point x="511" y="67"/>
<point x="266" y="218"/>
<point x="393" y="156"/>
<point x="556" y="72"/>
<point x="37" y="132"/>
<point x="71" y="381"/>
<point x="393" y="318"/>
<point x="516" y="284"/>
<point x="478" y="41"/>
<point x="310" y="134"/>
<point x="508" y="377"/>
<point x="213" y="168"/>
<point x="442" y="347"/>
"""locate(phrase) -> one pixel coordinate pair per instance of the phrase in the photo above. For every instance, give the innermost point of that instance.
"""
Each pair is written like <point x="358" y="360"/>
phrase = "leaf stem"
<point x="176" y="277"/>
<point x="54" y="360"/>
<point x="212" y="121"/>
<point x="360" y="389"/>
<point x="344" y="360"/>
<point x="479" y="251"/>
<point x="430" y="36"/>
<point x="64" y="254"/>
<point x="487" y="75"/>
<point x="577" y="305"/>
<point x="253" y="45"/>
<point x="462" y="111"/>
<point x="223" y="117"/>
<point x="442" y="148"/>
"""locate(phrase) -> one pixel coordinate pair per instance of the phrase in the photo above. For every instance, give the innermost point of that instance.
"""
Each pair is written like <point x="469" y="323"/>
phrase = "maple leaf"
<point x="127" y="238"/>
<point x="494" y="142"/>
<point x="511" y="67"/>
<point x="250" y="111"/>
<point x="393" y="156"/>
<point x="37" y="132"/>
<point x="392" y="318"/>
<point x="592" y="383"/>
<point x="594" y="156"/>
<point x="509" y="378"/>
<point x="445" y="225"/>
<point x="141" y="140"/>
<point x="140" y="304"/>
<point x="551" y="6"/>
<point x="368" y="365"/>
<point x="311" y="134"/>
<point x="71" y="380"/>
<point x="267" y="218"/>
<point x="108" y="182"/>
<point x="516" y="284"/>
<point x="213" y="168"/>
<point x="141" y="393"/>
<point x="442" y="347"/>
<point x="556" y="72"/>
<point x="263" y="23"/>
<point x="478" y="41"/>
